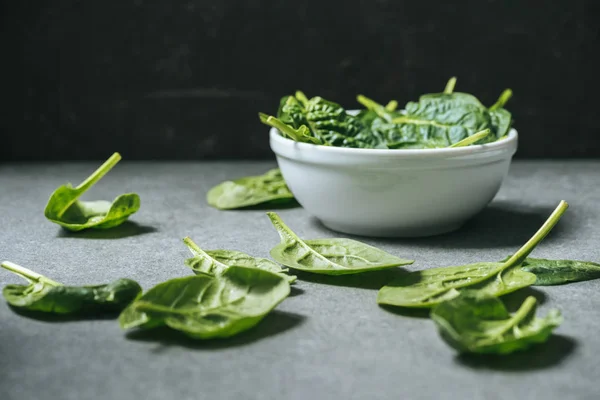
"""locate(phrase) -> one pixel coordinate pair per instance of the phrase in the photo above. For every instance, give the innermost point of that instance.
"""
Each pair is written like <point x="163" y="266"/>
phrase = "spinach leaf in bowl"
<point x="320" y="121"/>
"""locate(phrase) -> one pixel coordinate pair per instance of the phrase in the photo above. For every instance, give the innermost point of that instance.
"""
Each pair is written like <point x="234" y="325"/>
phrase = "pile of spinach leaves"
<point x="436" y="120"/>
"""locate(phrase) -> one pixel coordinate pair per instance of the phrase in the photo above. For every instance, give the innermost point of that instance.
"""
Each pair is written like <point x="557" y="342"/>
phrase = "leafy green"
<point x="477" y="323"/>
<point x="65" y="209"/>
<point x="328" y="256"/>
<point x="269" y="188"/>
<point x="472" y="139"/>
<point x="205" y="307"/>
<point x="320" y="121"/>
<point x="557" y="272"/>
<point x="215" y="262"/>
<point x="384" y="112"/>
<point x="437" y="120"/>
<point x="501" y="118"/>
<point x="432" y="286"/>
<point x="44" y="294"/>
<point x="443" y="119"/>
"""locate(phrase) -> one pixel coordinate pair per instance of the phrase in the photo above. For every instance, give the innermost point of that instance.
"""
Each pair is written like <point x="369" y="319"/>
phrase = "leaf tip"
<point x="263" y="117"/>
<point x="272" y="215"/>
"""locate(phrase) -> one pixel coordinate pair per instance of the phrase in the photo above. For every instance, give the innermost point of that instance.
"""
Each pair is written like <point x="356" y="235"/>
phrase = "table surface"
<point x="329" y="339"/>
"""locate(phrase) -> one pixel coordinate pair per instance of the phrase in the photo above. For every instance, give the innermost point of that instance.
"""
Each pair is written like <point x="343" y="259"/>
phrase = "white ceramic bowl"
<point x="393" y="193"/>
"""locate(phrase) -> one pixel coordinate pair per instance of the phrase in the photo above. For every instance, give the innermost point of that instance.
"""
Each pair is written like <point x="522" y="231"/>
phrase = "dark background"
<point x="185" y="79"/>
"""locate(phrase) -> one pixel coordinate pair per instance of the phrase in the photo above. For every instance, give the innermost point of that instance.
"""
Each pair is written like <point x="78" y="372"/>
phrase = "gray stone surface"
<point x="329" y="340"/>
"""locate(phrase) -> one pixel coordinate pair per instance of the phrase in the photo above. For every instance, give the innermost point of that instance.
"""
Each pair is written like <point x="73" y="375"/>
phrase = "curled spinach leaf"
<point x="66" y="210"/>
<point x="215" y="262"/>
<point x="432" y="286"/>
<point x="558" y="272"/>
<point x="269" y="188"/>
<point x="205" y="307"/>
<point x="45" y="295"/>
<point x="329" y="256"/>
<point x="320" y="121"/>
<point x="477" y="323"/>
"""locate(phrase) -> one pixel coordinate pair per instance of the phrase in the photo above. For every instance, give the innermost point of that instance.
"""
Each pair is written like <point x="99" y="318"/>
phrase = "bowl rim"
<point x="506" y="143"/>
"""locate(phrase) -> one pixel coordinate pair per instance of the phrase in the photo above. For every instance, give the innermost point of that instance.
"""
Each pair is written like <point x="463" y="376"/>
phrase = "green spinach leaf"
<point x="44" y="294"/>
<point x="387" y="112"/>
<point x="66" y="210"/>
<point x="269" y="188"/>
<point x="477" y="323"/>
<point x="501" y="118"/>
<point x="558" y="272"/>
<point x="443" y="119"/>
<point x="215" y="262"/>
<point x="328" y="256"/>
<point x="472" y="139"/>
<point x="432" y="286"/>
<point x="320" y="121"/>
<point x="205" y="307"/>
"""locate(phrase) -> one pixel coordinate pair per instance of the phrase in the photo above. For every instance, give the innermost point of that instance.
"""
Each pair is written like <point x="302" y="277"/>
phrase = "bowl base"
<point x="392" y="232"/>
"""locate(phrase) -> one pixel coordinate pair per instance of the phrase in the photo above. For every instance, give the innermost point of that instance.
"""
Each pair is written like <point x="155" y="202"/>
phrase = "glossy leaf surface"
<point x="557" y="272"/>
<point x="329" y="256"/>
<point x="205" y="307"/>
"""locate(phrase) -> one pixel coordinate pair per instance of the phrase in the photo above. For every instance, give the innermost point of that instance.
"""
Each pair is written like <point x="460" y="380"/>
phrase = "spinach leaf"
<point x="385" y="112"/>
<point x="429" y="287"/>
<point x="501" y="118"/>
<point x="269" y="188"/>
<point x="557" y="272"/>
<point x="320" y="121"/>
<point x="215" y="262"/>
<point x="476" y="323"/>
<point x="205" y="307"/>
<point x="65" y="209"/>
<point x="44" y="294"/>
<point x="443" y="119"/>
<point x="302" y="134"/>
<point x="328" y="256"/>
<point x="472" y="139"/>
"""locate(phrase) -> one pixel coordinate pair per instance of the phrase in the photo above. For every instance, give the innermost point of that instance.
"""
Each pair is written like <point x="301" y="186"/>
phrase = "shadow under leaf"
<point x="273" y="324"/>
<point x="126" y="229"/>
<point x="407" y="311"/>
<point x="54" y="317"/>
<point x="514" y="300"/>
<point x="271" y="205"/>
<point x="374" y="280"/>
<point x="295" y="291"/>
<point x="540" y="356"/>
